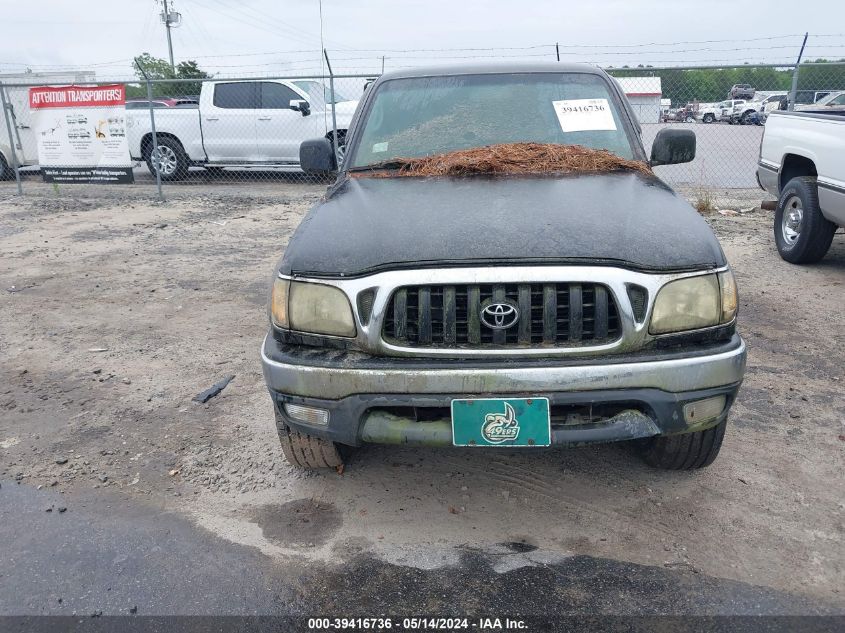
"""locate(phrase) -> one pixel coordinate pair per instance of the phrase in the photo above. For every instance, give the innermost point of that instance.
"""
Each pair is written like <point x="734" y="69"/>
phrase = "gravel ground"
<point x="117" y="310"/>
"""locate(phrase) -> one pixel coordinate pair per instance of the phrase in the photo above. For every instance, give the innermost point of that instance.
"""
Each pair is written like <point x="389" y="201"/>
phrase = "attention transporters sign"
<point x="81" y="133"/>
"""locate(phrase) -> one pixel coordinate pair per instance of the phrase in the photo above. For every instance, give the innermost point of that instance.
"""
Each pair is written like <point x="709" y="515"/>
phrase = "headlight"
<point x="730" y="297"/>
<point x="694" y="302"/>
<point x="686" y="304"/>
<point x="279" y="303"/>
<point x="314" y="308"/>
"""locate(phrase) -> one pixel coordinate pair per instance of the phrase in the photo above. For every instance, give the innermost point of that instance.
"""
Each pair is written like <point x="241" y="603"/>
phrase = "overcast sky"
<point x="223" y="35"/>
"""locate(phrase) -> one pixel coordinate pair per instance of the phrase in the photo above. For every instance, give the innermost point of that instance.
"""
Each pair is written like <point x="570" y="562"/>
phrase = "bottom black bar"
<point x="404" y="624"/>
<point x="93" y="175"/>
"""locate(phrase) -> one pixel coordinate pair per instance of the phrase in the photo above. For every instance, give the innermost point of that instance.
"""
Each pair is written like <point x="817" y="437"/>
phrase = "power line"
<point x="259" y="24"/>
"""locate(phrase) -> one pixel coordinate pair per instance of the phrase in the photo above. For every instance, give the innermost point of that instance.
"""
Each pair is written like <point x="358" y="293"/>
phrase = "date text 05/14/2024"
<point x="416" y="624"/>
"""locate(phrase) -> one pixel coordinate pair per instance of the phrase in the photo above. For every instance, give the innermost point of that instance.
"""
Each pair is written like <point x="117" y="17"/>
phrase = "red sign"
<point x="77" y="96"/>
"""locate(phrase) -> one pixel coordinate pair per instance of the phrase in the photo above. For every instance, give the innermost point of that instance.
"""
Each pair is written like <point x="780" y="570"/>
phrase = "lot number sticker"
<point x="578" y="115"/>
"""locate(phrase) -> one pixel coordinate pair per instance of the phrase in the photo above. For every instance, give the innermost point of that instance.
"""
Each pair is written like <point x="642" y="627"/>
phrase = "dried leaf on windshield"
<point x="511" y="158"/>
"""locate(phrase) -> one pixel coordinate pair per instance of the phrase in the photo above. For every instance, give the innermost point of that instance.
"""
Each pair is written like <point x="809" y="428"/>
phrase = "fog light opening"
<point x="704" y="410"/>
<point x="308" y="415"/>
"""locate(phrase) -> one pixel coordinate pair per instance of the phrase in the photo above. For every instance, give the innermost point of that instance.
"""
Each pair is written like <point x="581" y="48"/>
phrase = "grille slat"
<point x="499" y="336"/>
<point x="600" y="319"/>
<point x="576" y="313"/>
<point x="524" y="304"/>
<point x="474" y="318"/>
<point x="551" y="315"/>
<point x="424" y="315"/>
<point x="450" y="328"/>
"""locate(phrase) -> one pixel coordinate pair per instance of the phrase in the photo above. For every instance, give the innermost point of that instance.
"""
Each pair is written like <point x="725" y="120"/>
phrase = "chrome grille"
<point x="550" y="315"/>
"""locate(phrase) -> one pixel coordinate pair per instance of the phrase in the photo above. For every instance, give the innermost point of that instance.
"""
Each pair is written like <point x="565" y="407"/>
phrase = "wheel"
<point x="802" y="233"/>
<point x="744" y="118"/>
<point x="687" y="451"/>
<point x="709" y="118"/>
<point x="170" y="156"/>
<point x="307" y="451"/>
<point x="6" y="172"/>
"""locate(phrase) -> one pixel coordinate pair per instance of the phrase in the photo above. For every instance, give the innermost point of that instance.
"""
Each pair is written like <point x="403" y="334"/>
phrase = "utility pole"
<point x="794" y="91"/>
<point x="170" y="19"/>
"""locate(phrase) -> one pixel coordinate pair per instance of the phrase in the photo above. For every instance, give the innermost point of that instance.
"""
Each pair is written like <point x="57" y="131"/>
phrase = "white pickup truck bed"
<point x="802" y="162"/>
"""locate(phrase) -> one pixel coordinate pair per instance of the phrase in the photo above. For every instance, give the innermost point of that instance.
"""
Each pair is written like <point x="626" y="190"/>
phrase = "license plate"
<point x="501" y="422"/>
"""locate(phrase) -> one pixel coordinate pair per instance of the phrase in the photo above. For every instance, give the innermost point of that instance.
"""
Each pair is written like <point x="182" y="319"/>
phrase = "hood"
<point x="622" y="219"/>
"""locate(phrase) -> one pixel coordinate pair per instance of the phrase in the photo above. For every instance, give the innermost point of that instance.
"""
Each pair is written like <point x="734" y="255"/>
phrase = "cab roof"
<point x="492" y="68"/>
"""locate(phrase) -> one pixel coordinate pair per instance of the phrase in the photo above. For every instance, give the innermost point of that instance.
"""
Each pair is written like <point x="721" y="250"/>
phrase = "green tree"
<point x="159" y="70"/>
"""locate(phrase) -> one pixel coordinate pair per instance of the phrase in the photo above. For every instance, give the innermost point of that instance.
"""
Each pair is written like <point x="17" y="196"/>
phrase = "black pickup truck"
<point x="523" y="309"/>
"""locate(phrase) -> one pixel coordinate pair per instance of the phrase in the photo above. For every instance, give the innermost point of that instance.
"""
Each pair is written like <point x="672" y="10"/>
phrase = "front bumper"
<point x="363" y="393"/>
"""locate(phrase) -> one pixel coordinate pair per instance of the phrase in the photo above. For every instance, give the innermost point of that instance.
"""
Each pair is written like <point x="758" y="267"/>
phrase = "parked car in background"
<point x="139" y="103"/>
<point x="832" y="103"/>
<point x="144" y="104"/>
<point x="779" y="103"/>
<point x="506" y="311"/>
<point x="711" y="112"/>
<point x="728" y="109"/>
<point x="238" y="124"/>
<point x="801" y="163"/>
<point x="741" y="91"/>
<point x="22" y="148"/>
<point x="742" y="111"/>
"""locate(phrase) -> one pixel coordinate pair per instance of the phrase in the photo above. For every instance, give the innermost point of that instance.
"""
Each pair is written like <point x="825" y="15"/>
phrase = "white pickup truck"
<point x="238" y="124"/>
<point x="801" y="163"/>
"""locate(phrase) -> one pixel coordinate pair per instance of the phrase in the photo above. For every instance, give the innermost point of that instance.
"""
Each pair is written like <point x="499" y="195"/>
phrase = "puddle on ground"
<point x="302" y="522"/>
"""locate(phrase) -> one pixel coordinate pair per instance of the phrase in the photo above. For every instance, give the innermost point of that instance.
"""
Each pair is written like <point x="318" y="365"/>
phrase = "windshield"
<point x="416" y="117"/>
<point x="319" y="94"/>
<point x="826" y="100"/>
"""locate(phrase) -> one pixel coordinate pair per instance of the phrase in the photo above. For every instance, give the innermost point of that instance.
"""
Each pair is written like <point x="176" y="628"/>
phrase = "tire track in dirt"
<point x="542" y="487"/>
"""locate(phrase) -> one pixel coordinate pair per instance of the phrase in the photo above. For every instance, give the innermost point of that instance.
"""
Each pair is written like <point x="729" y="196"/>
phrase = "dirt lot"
<point x="117" y="310"/>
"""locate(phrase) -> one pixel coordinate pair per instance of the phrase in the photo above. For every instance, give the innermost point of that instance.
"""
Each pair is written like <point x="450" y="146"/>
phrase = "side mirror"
<point x="671" y="147"/>
<point x="317" y="156"/>
<point x="300" y="105"/>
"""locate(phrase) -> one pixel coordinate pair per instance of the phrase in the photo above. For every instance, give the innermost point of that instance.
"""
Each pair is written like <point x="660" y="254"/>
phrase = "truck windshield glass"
<point x="416" y="117"/>
<point x="319" y="94"/>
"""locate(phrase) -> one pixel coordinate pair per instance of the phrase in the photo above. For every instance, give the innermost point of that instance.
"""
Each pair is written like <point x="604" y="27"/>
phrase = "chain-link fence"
<point x="727" y="108"/>
<point x="184" y="132"/>
<point x="178" y="132"/>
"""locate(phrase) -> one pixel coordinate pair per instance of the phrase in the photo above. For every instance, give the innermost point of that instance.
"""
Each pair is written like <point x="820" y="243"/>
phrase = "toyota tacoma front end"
<point x="549" y="297"/>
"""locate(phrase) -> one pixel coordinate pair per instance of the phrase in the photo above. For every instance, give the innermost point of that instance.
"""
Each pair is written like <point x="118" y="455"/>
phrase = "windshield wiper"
<point x="387" y="164"/>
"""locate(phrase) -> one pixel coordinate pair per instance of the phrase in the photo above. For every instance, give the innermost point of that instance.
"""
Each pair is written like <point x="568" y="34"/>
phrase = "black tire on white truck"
<point x="171" y="156"/>
<point x="6" y="172"/>
<point x="802" y="234"/>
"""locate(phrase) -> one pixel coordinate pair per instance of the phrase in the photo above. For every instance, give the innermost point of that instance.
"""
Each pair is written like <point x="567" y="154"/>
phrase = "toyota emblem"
<point x="499" y="315"/>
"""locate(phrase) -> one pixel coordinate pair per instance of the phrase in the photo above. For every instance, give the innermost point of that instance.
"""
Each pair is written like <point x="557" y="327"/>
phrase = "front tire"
<point x="6" y="172"/>
<point x="170" y="157"/>
<point x="687" y="451"/>
<point x="802" y="234"/>
<point x="306" y="451"/>
<point x="709" y="118"/>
